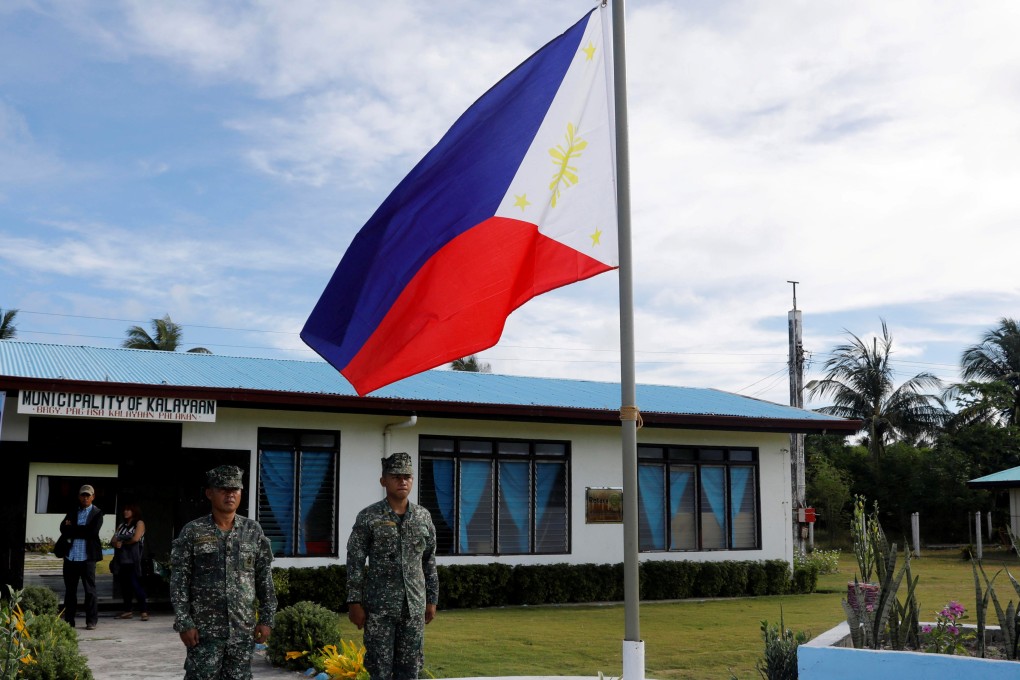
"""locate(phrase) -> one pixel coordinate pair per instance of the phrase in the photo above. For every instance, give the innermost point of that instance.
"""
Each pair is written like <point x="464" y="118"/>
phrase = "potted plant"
<point x="866" y="534"/>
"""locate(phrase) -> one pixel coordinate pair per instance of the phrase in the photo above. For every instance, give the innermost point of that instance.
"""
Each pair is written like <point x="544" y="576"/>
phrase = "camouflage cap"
<point x="225" y="477"/>
<point x="397" y="464"/>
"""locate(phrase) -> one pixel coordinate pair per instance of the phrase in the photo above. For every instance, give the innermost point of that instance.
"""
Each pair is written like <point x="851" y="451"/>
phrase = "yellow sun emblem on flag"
<point x="566" y="174"/>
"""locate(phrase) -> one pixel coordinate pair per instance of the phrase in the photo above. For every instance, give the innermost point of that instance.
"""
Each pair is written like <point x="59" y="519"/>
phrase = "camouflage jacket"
<point x="401" y="558"/>
<point x="216" y="578"/>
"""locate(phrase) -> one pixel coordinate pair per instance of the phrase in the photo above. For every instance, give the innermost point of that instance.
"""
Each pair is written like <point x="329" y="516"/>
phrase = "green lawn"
<point x="689" y="639"/>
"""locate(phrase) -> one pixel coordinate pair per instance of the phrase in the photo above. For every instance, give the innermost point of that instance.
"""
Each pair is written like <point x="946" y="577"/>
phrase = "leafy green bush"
<point x="54" y="646"/>
<point x="492" y="585"/>
<point x="734" y="578"/>
<point x="326" y="586"/>
<point x="757" y="579"/>
<point x="805" y="578"/>
<point x="711" y="580"/>
<point x="596" y="582"/>
<point x="39" y="600"/>
<point x="777" y="577"/>
<point x="779" y="662"/>
<point x="827" y="561"/>
<point x="466" y="586"/>
<point x="668" y="580"/>
<point x="281" y="586"/>
<point x="302" y="627"/>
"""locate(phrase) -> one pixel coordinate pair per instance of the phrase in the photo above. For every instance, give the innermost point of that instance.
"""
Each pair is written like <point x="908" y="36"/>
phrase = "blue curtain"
<point x="712" y="481"/>
<point x="474" y="481"/>
<point x="653" y="501"/>
<point x="315" y="467"/>
<point x="515" y="497"/>
<point x="739" y="477"/>
<point x="678" y="480"/>
<point x="276" y="479"/>
<point x="683" y="534"/>
<point x="550" y="507"/>
<point x="547" y="476"/>
<point x="442" y="480"/>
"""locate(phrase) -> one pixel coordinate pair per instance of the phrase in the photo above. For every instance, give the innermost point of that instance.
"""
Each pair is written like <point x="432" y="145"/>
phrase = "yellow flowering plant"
<point x="13" y="635"/>
<point x="347" y="663"/>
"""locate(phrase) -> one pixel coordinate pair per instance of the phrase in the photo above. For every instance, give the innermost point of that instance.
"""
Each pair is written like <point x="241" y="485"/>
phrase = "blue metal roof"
<point x="1010" y="477"/>
<point x="183" y="369"/>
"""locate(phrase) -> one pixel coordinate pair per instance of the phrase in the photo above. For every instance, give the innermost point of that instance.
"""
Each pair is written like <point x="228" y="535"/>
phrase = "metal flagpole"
<point x="633" y="646"/>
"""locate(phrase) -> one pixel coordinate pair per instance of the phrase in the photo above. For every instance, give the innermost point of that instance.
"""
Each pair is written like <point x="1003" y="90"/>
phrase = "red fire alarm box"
<point x="806" y="515"/>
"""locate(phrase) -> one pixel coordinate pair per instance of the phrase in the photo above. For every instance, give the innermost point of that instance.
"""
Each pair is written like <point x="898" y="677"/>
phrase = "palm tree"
<point x="166" y="337"/>
<point x="859" y="378"/>
<point x="471" y="364"/>
<point x="992" y="368"/>
<point x="8" y="331"/>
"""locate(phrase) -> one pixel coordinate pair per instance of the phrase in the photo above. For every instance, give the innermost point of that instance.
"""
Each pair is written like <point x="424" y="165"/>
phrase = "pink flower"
<point x="953" y="630"/>
<point x="925" y="629"/>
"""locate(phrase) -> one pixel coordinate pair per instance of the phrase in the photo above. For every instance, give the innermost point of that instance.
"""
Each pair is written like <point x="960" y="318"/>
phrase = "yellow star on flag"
<point x="589" y="50"/>
<point x="596" y="237"/>
<point x="522" y="201"/>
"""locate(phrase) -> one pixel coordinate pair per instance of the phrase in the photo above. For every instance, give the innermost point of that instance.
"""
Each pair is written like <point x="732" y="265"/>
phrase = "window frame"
<point x="668" y="457"/>
<point x="461" y="452"/>
<point x="269" y="440"/>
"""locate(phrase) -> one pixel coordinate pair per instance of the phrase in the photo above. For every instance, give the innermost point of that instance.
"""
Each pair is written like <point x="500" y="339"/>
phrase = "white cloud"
<point x="867" y="150"/>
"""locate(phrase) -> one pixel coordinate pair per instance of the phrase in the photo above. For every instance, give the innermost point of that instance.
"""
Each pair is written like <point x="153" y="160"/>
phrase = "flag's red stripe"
<point x="458" y="302"/>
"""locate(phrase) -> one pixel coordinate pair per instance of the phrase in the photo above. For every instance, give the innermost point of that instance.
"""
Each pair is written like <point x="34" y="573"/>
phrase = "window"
<point x="697" y="499"/>
<point x="297" y="491"/>
<point x="496" y="497"/>
<point x="58" y="494"/>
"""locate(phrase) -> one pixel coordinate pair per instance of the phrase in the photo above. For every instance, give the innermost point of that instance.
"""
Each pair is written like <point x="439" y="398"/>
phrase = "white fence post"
<point x="977" y="534"/>
<point x="915" y="527"/>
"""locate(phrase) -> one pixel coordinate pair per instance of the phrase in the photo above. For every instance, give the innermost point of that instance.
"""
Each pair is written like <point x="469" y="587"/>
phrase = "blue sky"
<point x="212" y="160"/>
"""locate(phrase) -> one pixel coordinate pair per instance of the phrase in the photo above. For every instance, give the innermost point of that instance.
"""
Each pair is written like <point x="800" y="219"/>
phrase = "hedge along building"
<point x="513" y="469"/>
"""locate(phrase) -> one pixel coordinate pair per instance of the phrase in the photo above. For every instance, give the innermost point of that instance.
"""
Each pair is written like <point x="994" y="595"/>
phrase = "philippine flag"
<point x="518" y="198"/>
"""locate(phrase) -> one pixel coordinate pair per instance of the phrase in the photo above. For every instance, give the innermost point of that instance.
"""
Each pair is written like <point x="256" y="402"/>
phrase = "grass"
<point x="708" y="639"/>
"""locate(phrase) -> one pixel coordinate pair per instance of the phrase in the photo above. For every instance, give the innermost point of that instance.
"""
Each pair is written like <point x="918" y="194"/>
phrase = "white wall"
<point x="48" y="525"/>
<point x="595" y="462"/>
<point x="15" y="425"/>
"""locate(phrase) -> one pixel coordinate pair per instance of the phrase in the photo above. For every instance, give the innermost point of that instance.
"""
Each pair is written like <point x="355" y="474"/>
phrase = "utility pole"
<point x="796" y="399"/>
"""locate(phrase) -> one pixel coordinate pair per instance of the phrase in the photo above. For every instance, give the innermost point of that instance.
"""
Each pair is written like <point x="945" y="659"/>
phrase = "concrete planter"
<point x="831" y="656"/>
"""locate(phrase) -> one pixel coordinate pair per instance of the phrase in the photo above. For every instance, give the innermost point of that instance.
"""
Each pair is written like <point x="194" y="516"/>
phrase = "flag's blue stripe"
<point x="457" y="185"/>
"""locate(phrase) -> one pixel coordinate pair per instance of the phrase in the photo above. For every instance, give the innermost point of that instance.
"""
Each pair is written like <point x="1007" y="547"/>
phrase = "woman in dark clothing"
<point x="127" y="560"/>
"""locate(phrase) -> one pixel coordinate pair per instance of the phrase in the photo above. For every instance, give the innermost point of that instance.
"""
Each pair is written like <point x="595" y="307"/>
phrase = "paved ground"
<point x="131" y="649"/>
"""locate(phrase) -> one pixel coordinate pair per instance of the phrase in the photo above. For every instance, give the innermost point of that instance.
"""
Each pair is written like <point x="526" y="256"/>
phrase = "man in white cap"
<point x="80" y="531"/>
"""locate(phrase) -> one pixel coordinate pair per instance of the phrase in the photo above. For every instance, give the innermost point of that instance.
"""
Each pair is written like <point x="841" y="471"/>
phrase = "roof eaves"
<point x="431" y="408"/>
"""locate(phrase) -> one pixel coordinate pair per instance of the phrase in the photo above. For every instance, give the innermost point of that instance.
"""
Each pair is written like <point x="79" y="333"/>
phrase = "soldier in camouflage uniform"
<point x="396" y="594"/>
<point x="222" y="565"/>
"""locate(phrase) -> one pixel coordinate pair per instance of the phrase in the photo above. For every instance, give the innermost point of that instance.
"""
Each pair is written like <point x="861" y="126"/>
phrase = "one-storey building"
<point x="513" y="469"/>
<point x="1008" y="481"/>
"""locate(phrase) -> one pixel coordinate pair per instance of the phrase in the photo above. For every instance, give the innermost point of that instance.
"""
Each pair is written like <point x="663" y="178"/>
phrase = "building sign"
<point x="120" y="407"/>
<point x="603" y="505"/>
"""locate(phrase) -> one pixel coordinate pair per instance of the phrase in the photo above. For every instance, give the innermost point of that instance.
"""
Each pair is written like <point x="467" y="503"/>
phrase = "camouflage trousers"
<point x="394" y="646"/>
<point x="219" y="659"/>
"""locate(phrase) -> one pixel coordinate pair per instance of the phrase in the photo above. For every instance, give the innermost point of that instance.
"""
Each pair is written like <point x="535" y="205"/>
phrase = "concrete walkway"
<point x="131" y="649"/>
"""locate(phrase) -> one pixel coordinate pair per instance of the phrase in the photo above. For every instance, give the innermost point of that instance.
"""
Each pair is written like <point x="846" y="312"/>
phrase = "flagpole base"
<point x="633" y="660"/>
